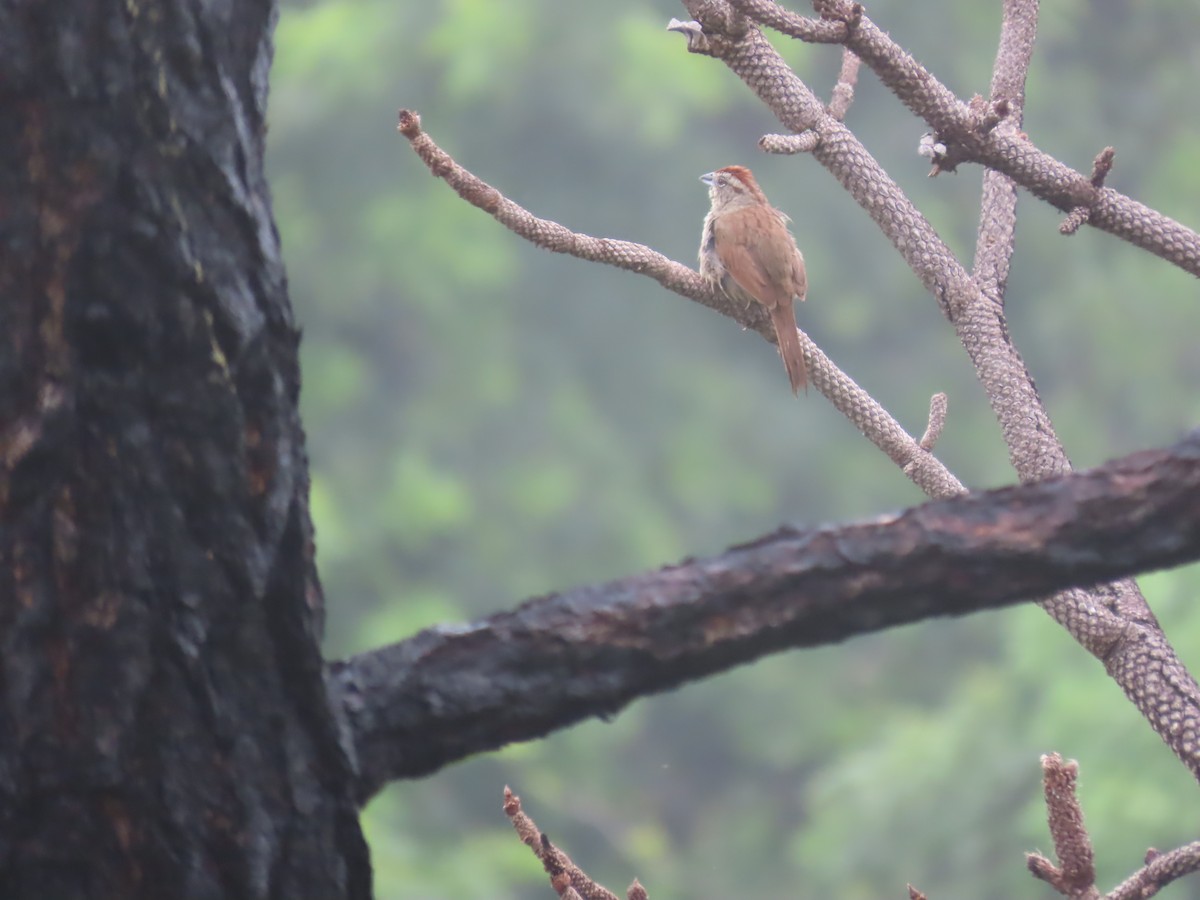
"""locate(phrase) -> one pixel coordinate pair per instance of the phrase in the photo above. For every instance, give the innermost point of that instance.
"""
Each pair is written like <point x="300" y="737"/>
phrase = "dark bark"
<point x="449" y="692"/>
<point x="164" y="727"/>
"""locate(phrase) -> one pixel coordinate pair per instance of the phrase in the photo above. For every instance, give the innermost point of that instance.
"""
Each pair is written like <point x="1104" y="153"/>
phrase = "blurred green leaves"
<point x="475" y="41"/>
<point x="488" y="421"/>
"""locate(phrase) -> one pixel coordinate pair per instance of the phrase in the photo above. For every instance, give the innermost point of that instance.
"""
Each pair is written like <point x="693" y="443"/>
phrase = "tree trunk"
<point x="164" y="726"/>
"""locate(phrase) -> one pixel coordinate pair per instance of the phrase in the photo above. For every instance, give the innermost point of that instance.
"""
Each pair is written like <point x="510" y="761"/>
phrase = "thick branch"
<point x="165" y="728"/>
<point x="876" y="424"/>
<point x="450" y="692"/>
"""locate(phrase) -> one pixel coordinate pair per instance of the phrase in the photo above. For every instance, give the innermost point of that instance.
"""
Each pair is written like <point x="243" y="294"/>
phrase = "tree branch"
<point x="1160" y="870"/>
<point x="998" y="205"/>
<point x="843" y="91"/>
<point x="1033" y="447"/>
<point x="1113" y="622"/>
<point x="876" y="423"/>
<point x="568" y="880"/>
<point x="450" y="692"/>
<point x="1007" y="151"/>
<point x="936" y="422"/>
<point x="1076" y="875"/>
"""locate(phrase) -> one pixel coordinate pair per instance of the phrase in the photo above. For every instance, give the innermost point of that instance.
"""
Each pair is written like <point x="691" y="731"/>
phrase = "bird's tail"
<point x="784" y="320"/>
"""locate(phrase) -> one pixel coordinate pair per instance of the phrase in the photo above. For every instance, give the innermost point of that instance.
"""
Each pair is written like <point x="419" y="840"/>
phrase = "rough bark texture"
<point x="164" y="727"/>
<point x="450" y="692"/>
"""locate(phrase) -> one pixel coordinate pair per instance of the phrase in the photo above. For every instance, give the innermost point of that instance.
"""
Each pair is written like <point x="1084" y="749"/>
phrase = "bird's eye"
<point x="721" y="180"/>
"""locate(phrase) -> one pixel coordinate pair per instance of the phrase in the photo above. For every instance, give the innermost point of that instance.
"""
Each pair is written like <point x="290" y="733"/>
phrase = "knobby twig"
<point x="450" y="692"/>
<point x="843" y="91"/>
<point x="1076" y="877"/>
<point x="839" y="105"/>
<point x="789" y="144"/>
<point x="1033" y="448"/>
<point x="568" y="880"/>
<point x="1159" y="871"/>
<point x="937" y="421"/>
<point x="1080" y="215"/>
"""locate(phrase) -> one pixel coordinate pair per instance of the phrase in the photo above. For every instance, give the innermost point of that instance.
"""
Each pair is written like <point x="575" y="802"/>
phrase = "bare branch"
<point x="1082" y="214"/>
<point x="552" y="236"/>
<point x="1028" y="432"/>
<point x="1077" y="875"/>
<point x="1018" y="29"/>
<point x="1102" y="165"/>
<point x="568" y="880"/>
<point x="1013" y="154"/>
<point x="450" y="692"/>
<point x="1160" y="870"/>
<point x="843" y="91"/>
<point x="1074" y="220"/>
<point x="876" y="424"/>
<point x="814" y="31"/>
<point x="937" y="421"/>
<point x="1113" y="622"/>
<point x="789" y="144"/>
<point x="998" y="205"/>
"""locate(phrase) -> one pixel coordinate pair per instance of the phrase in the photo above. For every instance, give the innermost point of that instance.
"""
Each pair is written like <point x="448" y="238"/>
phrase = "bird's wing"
<point x="746" y="268"/>
<point x="799" y="276"/>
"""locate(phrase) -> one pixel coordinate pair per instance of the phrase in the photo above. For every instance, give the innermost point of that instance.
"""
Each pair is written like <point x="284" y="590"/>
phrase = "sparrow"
<point x="747" y="250"/>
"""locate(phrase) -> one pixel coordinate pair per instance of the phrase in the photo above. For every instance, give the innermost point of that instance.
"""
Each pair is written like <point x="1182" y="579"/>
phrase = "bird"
<point x="747" y="251"/>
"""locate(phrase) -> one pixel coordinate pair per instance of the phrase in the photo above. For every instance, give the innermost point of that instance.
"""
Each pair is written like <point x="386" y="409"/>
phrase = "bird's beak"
<point x="708" y="178"/>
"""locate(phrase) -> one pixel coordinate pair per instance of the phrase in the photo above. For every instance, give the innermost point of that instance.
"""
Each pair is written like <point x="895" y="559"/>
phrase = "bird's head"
<point x="733" y="186"/>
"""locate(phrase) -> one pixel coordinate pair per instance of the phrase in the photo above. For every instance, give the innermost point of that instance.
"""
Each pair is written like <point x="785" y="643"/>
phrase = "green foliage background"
<point x="488" y="422"/>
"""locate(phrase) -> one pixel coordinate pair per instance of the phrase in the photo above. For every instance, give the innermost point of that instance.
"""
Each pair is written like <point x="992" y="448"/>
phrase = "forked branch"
<point x="1075" y="874"/>
<point x="1113" y="622"/>
<point x="958" y="126"/>
<point x="876" y="424"/>
<point x="449" y="692"/>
